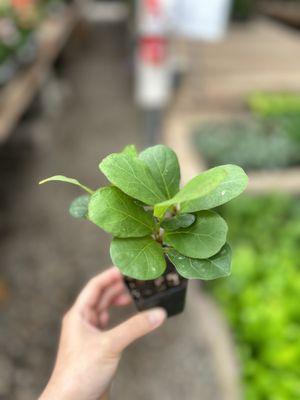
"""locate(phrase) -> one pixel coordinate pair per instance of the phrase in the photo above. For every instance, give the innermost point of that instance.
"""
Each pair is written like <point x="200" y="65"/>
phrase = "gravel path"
<point x="46" y="256"/>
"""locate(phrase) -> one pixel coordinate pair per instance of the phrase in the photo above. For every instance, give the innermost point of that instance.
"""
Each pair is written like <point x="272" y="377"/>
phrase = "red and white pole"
<point x="152" y="65"/>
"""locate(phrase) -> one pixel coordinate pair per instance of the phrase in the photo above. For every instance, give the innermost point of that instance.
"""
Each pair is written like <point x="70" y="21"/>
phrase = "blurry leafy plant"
<point x="19" y="20"/>
<point x="243" y="10"/>
<point x="261" y="298"/>
<point x="149" y="216"/>
<point x="283" y="108"/>
<point x="251" y="143"/>
<point x="266" y="104"/>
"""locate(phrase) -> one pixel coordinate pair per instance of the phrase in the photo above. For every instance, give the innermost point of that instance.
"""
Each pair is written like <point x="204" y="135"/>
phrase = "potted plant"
<point x="162" y="235"/>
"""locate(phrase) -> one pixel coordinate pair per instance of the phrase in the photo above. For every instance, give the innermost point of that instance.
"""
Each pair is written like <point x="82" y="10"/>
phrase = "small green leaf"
<point x="164" y="167"/>
<point x="232" y="186"/>
<point x="130" y="150"/>
<point x="79" y="206"/>
<point x="61" y="178"/>
<point x="214" y="267"/>
<point x="132" y="176"/>
<point x="179" y="221"/>
<point x="203" y="239"/>
<point x="196" y="188"/>
<point x="139" y="258"/>
<point x="118" y="214"/>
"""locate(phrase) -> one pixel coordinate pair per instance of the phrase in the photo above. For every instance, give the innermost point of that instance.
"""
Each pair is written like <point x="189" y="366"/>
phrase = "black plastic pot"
<point x="167" y="291"/>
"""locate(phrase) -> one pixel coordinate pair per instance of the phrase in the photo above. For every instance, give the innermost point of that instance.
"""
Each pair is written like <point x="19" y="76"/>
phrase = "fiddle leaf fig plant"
<point x="151" y="218"/>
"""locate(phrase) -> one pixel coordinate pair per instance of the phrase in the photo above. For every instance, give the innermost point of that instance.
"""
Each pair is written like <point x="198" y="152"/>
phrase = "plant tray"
<point x="167" y="291"/>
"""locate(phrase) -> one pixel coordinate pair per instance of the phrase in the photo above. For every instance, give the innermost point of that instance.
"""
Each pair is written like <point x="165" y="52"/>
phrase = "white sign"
<point x="201" y="19"/>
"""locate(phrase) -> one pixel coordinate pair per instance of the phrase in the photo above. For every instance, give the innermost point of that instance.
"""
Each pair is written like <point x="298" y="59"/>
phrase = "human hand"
<point x="88" y="355"/>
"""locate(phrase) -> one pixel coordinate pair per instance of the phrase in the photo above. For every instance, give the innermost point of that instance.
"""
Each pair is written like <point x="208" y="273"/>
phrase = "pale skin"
<point x="88" y="354"/>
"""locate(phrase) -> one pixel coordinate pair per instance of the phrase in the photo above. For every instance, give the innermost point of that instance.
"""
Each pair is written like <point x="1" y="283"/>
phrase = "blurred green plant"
<point x="243" y="10"/>
<point x="261" y="300"/>
<point x="18" y="22"/>
<point x="252" y="143"/>
<point x="266" y="104"/>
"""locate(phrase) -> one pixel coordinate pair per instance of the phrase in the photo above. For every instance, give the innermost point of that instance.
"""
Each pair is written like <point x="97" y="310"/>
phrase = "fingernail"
<point x="156" y="316"/>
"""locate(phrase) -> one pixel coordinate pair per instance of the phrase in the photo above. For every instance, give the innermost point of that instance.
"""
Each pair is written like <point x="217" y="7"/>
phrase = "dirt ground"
<point x="46" y="256"/>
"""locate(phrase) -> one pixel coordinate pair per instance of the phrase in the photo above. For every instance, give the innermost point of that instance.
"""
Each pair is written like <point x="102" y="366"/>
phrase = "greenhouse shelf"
<point x="288" y="13"/>
<point x="178" y="134"/>
<point x="17" y="95"/>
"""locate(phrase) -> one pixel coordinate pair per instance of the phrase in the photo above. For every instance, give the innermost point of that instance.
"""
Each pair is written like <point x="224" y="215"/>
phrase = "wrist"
<point x="56" y="391"/>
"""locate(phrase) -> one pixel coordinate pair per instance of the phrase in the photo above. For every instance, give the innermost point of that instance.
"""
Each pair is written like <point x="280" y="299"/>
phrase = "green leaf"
<point x="130" y="150"/>
<point x="203" y="239"/>
<point x="232" y="186"/>
<point x="61" y="178"/>
<point x="179" y="221"/>
<point x="164" y="167"/>
<point x="132" y="176"/>
<point x="214" y="267"/>
<point x="196" y="188"/>
<point x="118" y="214"/>
<point x="140" y="258"/>
<point x="79" y="206"/>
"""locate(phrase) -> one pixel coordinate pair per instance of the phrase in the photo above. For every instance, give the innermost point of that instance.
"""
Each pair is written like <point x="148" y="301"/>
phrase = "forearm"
<point x="57" y="391"/>
<point x="105" y="396"/>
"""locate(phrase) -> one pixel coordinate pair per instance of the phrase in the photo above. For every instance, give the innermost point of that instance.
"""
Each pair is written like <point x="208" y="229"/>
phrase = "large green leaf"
<point x="79" y="206"/>
<point x="164" y="167"/>
<point x="132" y="176"/>
<point x="130" y="150"/>
<point x="139" y="258"/>
<point x="233" y="185"/>
<point x="196" y="188"/>
<point x="61" y="178"/>
<point x="214" y="267"/>
<point x="179" y="221"/>
<point x="118" y="214"/>
<point x="203" y="239"/>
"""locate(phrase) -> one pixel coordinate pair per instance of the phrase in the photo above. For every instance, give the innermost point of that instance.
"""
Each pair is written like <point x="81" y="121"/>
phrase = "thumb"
<point x="135" y="327"/>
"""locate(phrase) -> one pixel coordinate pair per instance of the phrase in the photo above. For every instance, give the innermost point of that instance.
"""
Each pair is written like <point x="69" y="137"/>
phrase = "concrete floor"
<point x="46" y="256"/>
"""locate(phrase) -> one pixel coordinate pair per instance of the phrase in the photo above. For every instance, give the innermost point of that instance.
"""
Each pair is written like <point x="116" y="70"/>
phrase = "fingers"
<point x="91" y="293"/>
<point x="113" y="295"/>
<point x="119" y="301"/>
<point x="98" y="295"/>
<point x="122" y="300"/>
<point x="110" y="294"/>
<point x="103" y="319"/>
<point x="135" y="327"/>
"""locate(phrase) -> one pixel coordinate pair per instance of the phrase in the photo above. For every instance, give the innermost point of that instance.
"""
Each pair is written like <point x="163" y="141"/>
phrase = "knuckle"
<point x="106" y="342"/>
<point x="143" y="321"/>
<point x="66" y="317"/>
<point x="93" y="281"/>
<point x="108" y="348"/>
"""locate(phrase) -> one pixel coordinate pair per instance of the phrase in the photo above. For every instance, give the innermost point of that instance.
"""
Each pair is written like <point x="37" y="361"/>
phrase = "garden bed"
<point x="260" y="298"/>
<point x="179" y="134"/>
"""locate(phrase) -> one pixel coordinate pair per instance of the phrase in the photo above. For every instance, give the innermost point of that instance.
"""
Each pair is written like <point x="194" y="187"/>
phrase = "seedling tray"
<point x="167" y="291"/>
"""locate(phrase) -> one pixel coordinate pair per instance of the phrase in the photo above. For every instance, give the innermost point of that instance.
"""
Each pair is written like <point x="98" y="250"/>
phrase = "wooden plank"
<point x="261" y="55"/>
<point x="288" y="13"/>
<point x="18" y="94"/>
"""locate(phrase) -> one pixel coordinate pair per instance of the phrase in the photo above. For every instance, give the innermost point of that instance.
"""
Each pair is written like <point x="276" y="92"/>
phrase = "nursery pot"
<point x="168" y="291"/>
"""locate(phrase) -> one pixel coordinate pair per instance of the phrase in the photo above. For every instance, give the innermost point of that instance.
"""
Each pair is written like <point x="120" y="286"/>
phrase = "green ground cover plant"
<point x="151" y="218"/>
<point x="282" y="108"/>
<point x="252" y="143"/>
<point x="274" y="104"/>
<point x="261" y="300"/>
<point x="269" y="138"/>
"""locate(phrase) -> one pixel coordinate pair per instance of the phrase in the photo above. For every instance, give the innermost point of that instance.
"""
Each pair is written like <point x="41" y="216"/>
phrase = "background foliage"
<point x="260" y="299"/>
<point x="252" y="143"/>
